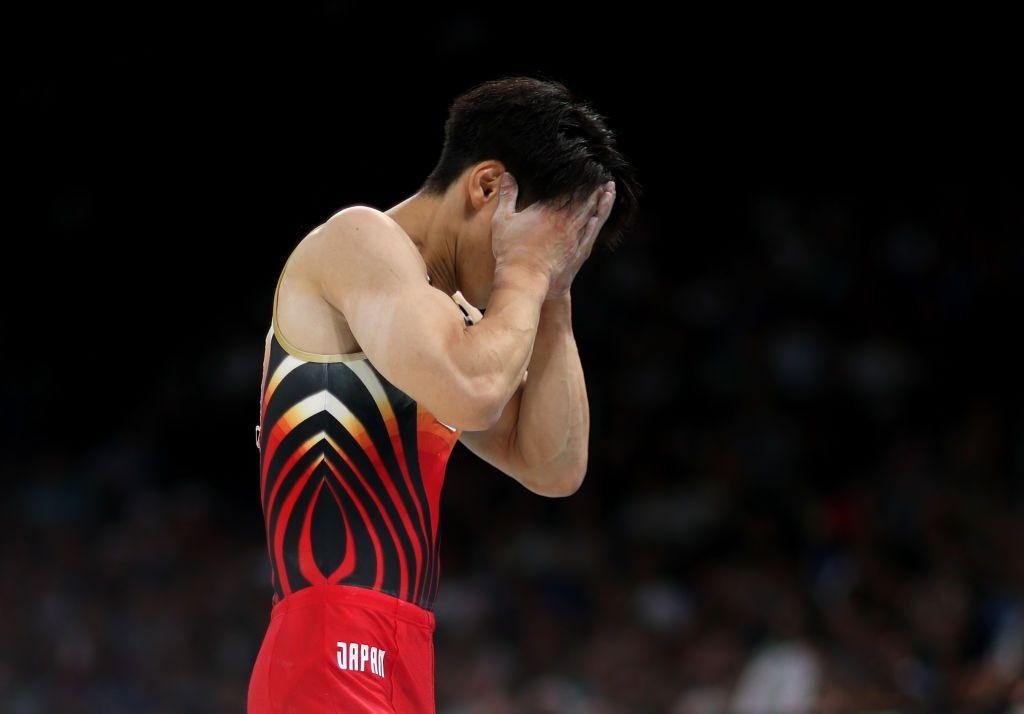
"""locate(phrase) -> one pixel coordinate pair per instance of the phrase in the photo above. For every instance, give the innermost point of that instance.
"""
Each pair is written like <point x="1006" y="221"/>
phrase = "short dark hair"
<point x="558" y="148"/>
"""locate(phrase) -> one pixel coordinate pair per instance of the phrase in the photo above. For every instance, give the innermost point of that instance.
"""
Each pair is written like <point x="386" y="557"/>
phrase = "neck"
<point x="431" y="222"/>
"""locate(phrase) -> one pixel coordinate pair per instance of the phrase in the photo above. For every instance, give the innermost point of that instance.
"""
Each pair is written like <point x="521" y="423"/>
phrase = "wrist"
<point x="558" y="300"/>
<point x="556" y="313"/>
<point x="522" y="274"/>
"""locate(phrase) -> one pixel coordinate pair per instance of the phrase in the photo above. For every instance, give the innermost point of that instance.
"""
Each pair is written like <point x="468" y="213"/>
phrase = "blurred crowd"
<point x="805" y="495"/>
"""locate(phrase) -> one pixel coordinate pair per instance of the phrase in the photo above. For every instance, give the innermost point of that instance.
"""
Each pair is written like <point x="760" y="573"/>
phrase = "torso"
<point x="351" y="471"/>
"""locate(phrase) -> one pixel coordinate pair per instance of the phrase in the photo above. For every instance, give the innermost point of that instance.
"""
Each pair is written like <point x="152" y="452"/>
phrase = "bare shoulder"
<point x="362" y="233"/>
<point x="355" y="250"/>
<point x="360" y="218"/>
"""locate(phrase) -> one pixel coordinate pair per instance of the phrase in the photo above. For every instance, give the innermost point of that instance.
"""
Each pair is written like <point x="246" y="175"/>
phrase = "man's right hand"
<point x="541" y="238"/>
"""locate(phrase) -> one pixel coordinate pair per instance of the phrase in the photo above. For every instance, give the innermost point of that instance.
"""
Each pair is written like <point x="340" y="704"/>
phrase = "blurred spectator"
<point x="804" y="496"/>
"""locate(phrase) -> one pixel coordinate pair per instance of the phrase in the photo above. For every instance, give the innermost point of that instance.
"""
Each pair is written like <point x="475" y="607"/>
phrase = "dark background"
<point x="804" y="365"/>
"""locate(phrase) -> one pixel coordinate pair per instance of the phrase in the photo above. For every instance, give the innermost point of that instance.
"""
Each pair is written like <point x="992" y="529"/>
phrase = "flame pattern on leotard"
<point x="351" y="470"/>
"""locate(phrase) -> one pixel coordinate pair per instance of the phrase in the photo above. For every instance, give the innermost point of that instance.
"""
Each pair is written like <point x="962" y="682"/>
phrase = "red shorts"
<point x="338" y="649"/>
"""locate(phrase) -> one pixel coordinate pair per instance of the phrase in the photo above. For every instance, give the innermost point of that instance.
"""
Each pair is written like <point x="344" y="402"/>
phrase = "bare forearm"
<point x="537" y="252"/>
<point x="552" y="429"/>
<point x="541" y="437"/>
<point x="497" y="350"/>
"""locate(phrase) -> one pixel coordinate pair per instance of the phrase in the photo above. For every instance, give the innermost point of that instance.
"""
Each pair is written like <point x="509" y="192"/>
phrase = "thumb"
<point x="508" y="192"/>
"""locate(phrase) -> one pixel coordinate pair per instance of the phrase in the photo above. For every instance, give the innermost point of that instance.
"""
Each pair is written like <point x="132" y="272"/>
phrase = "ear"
<point x="483" y="181"/>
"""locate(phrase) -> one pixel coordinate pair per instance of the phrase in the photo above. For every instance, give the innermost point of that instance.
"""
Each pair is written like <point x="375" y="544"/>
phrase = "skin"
<point x="359" y="283"/>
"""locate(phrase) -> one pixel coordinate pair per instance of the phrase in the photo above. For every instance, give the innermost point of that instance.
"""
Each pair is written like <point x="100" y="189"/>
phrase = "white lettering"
<point x="353" y="656"/>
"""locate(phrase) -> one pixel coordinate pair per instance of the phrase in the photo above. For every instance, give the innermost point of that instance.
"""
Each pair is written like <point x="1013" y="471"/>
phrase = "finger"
<point x="508" y="192"/>
<point x="593" y="228"/>
<point x="604" y="208"/>
<point x="587" y="209"/>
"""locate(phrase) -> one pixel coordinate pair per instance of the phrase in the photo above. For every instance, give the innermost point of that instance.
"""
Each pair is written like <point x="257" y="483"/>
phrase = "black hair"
<point x="558" y="148"/>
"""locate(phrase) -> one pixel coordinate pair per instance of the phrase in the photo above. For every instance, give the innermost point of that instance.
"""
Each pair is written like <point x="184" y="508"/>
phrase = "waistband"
<point x="357" y="597"/>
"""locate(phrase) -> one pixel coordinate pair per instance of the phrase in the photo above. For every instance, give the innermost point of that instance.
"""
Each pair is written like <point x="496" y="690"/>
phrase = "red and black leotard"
<point x="351" y="470"/>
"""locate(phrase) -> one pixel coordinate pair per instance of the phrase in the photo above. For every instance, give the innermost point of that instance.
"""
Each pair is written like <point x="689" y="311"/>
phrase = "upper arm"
<point x="368" y="269"/>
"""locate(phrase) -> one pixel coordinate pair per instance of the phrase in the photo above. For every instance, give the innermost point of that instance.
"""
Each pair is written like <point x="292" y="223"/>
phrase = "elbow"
<point x="480" y="407"/>
<point x="560" y="482"/>
<point x="480" y="419"/>
<point x="564" y="488"/>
